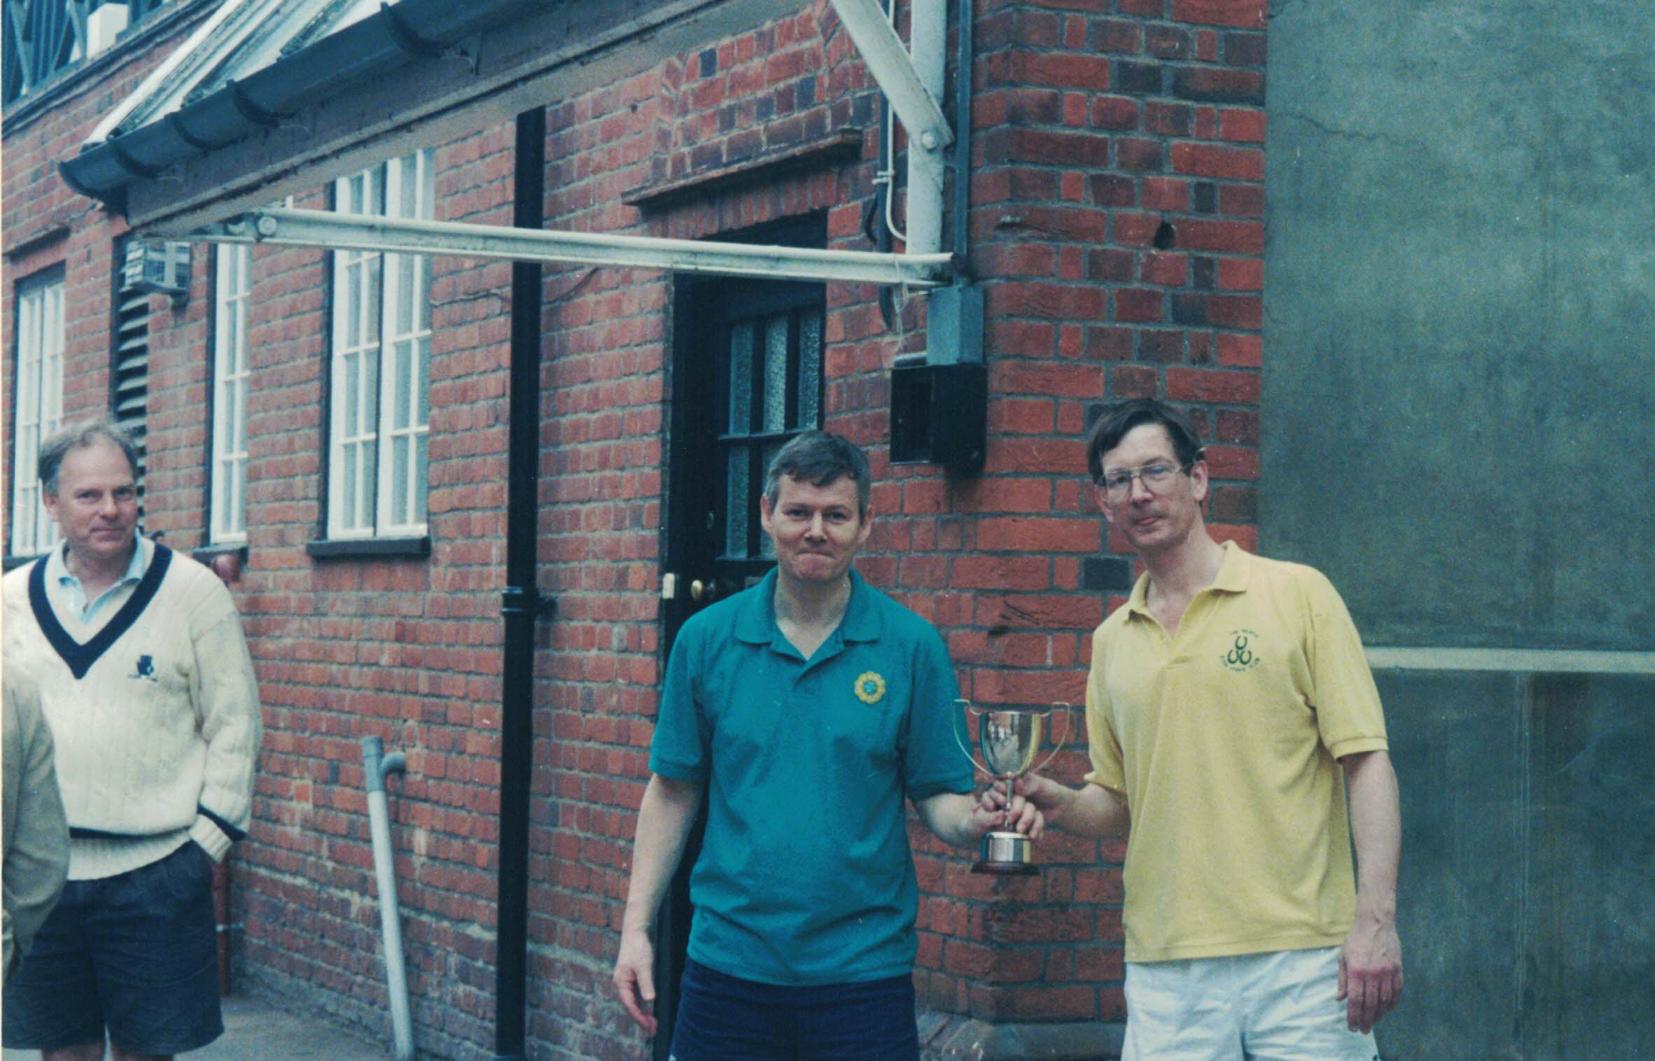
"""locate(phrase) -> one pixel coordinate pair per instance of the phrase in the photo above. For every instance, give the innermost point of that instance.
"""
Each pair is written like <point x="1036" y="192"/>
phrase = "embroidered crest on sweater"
<point x="144" y="668"/>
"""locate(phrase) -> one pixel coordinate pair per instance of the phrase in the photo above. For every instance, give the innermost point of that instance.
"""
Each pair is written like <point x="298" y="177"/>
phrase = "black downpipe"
<point x="520" y="603"/>
<point x="965" y="58"/>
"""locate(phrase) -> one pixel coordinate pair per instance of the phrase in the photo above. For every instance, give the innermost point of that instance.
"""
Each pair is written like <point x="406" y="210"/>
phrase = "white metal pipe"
<point x="887" y="130"/>
<point x="881" y="49"/>
<point x="335" y="231"/>
<point x="928" y="40"/>
<point x="390" y="915"/>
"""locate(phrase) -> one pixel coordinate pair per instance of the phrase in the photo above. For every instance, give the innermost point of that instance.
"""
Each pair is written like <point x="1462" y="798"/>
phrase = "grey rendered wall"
<point x="1460" y="315"/>
<point x="1525" y="900"/>
<point x="1459" y="344"/>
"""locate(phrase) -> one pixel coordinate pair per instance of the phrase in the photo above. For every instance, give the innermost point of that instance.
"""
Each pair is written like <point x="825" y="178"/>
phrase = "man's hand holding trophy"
<point x="1009" y="739"/>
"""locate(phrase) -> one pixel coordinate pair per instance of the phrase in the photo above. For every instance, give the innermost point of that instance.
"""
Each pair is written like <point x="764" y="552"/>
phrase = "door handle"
<point x="699" y="590"/>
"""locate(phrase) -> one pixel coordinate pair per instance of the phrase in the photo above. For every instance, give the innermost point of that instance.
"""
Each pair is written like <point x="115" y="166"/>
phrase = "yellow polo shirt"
<point x="1225" y="740"/>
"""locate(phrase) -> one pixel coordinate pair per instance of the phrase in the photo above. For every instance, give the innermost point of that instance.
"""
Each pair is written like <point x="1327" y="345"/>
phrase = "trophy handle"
<point x="1068" y="731"/>
<point x="968" y="710"/>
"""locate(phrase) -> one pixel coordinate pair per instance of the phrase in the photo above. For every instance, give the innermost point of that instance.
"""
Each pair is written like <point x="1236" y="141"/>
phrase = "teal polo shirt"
<point x="805" y="875"/>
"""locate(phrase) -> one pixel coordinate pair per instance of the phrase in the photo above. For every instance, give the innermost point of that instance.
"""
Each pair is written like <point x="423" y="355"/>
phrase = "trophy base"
<point x="1006" y="854"/>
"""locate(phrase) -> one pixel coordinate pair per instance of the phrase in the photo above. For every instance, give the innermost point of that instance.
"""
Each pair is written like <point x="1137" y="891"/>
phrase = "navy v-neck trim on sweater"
<point x="80" y="657"/>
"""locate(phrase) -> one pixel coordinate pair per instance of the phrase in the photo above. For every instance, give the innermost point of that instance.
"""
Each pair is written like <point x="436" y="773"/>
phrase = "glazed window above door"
<point x="771" y="390"/>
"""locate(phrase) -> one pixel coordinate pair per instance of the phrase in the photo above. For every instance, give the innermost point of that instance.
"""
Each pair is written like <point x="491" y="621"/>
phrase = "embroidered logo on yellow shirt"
<point x="1241" y="656"/>
<point x="870" y="687"/>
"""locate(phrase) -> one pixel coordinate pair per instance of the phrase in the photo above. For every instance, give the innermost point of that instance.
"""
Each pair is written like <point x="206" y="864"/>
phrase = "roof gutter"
<point x="237" y="110"/>
<point x="333" y="86"/>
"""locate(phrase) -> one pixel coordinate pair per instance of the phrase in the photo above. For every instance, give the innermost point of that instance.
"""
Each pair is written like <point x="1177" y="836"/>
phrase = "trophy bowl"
<point x="1009" y="739"/>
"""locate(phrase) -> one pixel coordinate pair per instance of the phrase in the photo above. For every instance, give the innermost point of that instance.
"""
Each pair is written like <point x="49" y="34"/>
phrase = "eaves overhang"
<point x="272" y="97"/>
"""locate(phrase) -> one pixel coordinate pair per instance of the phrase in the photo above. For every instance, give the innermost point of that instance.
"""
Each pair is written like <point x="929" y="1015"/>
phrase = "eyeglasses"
<point x="1157" y="479"/>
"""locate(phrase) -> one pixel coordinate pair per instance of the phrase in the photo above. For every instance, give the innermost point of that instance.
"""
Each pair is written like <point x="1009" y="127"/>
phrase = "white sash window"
<point x="39" y="410"/>
<point x="232" y="284"/>
<point x="380" y="375"/>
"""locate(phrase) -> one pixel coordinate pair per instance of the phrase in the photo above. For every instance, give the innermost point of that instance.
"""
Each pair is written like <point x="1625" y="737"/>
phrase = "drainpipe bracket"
<point x="521" y="600"/>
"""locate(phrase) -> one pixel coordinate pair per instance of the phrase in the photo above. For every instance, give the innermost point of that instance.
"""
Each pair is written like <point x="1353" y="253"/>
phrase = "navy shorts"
<point x="724" y="1018"/>
<point x="134" y="953"/>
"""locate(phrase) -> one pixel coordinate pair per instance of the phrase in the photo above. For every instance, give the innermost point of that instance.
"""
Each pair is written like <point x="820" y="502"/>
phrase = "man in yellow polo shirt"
<point x="1229" y="708"/>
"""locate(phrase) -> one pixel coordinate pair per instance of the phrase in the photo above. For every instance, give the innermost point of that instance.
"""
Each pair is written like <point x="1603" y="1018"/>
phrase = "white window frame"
<point x="38" y="410"/>
<point x="232" y="290"/>
<point x="379" y="379"/>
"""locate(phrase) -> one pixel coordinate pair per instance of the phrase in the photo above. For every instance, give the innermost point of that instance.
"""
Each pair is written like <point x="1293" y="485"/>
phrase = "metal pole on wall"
<point x="376" y="765"/>
<point x="928" y="43"/>
<point x="912" y="79"/>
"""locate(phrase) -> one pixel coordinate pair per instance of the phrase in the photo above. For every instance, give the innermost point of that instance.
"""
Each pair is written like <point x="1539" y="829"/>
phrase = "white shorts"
<point x="1281" y="1005"/>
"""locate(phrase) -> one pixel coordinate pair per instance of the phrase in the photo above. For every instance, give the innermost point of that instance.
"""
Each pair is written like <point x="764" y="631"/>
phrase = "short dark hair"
<point x="1117" y="420"/>
<point x="819" y="458"/>
<point x="76" y="436"/>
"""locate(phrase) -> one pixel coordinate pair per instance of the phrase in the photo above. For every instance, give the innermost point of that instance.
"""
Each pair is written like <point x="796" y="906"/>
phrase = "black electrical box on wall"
<point x="939" y="415"/>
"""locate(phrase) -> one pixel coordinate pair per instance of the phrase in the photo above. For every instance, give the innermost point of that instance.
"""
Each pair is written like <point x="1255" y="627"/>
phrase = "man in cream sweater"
<point x="145" y="680"/>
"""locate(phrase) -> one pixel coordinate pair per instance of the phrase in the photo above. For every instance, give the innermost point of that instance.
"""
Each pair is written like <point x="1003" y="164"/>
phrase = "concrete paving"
<point x="255" y="1030"/>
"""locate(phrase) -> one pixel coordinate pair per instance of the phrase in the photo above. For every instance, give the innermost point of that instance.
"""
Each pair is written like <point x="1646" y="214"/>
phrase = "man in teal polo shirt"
<point x="806" y="709"/>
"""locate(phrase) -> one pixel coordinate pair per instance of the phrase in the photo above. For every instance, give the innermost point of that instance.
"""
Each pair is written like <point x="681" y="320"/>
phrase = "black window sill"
<point x="368" y="548"/>
<point x="206" y="553"/>
<point x="14" y="562"/>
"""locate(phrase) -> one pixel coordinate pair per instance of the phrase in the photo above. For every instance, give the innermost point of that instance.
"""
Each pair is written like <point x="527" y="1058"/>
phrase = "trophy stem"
<point x="1010" y="741"/>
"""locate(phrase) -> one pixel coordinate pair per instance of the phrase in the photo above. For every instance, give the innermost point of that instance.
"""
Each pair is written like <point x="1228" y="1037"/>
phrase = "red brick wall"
<point x="1096" y="122"/>
<point x="406" y="649"/>
<point x="607" y="349"/>
<point x="1095" y="125"/>
<point x="45" y="225"/>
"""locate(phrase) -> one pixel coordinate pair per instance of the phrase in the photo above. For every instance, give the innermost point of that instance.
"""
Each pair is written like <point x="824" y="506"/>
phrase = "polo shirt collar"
<point x="861" y="621"/>
<point x="1234" y="571"/>
<point x="756" y="624"/>
<point x="1232" y="577"/>
<point x="57" y="568"/>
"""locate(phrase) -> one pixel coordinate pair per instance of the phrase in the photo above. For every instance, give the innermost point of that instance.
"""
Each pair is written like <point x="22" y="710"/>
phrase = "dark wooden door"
<point x="746" y="377"/>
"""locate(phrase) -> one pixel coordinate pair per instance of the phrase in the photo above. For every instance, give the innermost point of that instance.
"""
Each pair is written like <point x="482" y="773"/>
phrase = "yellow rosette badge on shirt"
<point x="870" y="687"/>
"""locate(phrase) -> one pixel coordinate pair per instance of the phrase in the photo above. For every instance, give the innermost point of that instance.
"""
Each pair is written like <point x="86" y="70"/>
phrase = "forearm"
<point x="664" y="820"/>
<point x="1370" y="964"/>
<point x="226" y="697"/>
<point x="37" y="848"/>
<point x="949" y="817"/>
<point x="1091" y="811"/>
<point x="1376" y="830"/>
<point x="34" y="871"/>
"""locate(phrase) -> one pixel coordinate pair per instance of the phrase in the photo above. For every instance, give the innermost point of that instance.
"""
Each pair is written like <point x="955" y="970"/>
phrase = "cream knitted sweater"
<point x="153" y="708"/>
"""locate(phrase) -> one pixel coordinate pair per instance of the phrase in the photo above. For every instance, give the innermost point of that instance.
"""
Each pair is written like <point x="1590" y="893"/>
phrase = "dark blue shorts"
<point x="724" y="1018"/>
<point x="134" y="953"/>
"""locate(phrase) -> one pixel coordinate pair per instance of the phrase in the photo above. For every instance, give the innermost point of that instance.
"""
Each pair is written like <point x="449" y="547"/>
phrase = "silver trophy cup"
<point x="1009" y="739"/>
